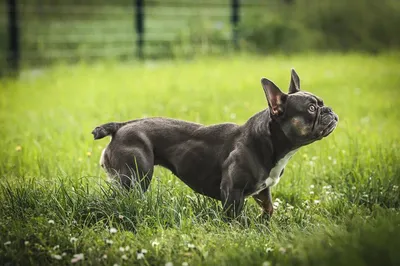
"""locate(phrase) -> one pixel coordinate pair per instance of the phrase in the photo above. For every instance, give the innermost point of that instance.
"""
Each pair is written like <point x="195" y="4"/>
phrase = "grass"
<point x="337" y="204"/>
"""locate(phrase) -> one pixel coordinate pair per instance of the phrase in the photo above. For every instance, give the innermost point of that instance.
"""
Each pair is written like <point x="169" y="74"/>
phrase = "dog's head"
<point x="302" y="116"/>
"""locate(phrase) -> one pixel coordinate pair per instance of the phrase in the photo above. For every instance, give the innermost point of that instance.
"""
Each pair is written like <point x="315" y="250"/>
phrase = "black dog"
<point x="227" y="162"/>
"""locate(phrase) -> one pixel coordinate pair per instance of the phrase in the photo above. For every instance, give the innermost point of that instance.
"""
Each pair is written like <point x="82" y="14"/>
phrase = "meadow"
<point x="338" y="202"/>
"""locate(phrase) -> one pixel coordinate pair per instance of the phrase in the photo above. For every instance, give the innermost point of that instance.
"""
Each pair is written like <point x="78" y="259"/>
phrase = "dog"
<point x="227" y="162"/>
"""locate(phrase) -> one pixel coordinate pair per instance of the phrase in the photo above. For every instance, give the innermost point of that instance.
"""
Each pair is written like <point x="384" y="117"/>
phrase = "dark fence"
<point x="41" y="32"/>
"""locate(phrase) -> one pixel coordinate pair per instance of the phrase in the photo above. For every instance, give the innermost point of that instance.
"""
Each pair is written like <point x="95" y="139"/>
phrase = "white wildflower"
<point x="311" y="186"/>
<point x="191" y="245"/>
<point x="311" y="192"/>
<point x="268" y="250"/>
<point x="109" y="241"/>
<point x="169" y="264"/>
<point x="73" y="239"/>
<point x="122" y="249"/>
<point x="56" y="247"/>
<point x="144" y="251"/>
<point x="56" y="256"/>
<point x="266" y="263"/>
<point x="26" y="243"/>
<point x="105" y="256"/>
<point x="140" y="255"/>
<point x="282" y="250"/>
<point x="77" y="257"/>
<point x="124" y="257"/>
<point x="51" y="221"/>
<point x="155" y="243"/>
<point x="113" y="230"/>
<point x="317" y="201"/>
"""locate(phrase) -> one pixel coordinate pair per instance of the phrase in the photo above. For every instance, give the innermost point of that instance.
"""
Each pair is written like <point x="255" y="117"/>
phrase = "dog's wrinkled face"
<point x="302" y="116"/>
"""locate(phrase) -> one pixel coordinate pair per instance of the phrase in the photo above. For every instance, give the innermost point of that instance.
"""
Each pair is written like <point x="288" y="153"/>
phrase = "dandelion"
<point x="191" y="246"/>
<point x="266" y="263"/>
<point x="51" y="221"/>
<point x="124" y="257"/>
<point x="139" y="255"/>
<point x="109" y="241"/>
<point x="77" y="257"/>
<point x="73" y="239"/>
<point x="89" y="154"/>
<point x="56" y="256"/>
<point x="169" y="264"/>
<point x="113" y="230"/>
<point x="282" y="250"/>
<point x="317" y="201"/>
<point x="268" y="250"/>
<point x="18" y="148"/>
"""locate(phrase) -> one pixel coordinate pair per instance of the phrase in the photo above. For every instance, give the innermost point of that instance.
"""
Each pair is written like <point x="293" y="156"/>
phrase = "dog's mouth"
<point x="329" y="129"/>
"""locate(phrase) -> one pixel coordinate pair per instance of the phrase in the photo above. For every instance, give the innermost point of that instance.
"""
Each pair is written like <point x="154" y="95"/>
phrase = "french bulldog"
<point x="227" y="162"/>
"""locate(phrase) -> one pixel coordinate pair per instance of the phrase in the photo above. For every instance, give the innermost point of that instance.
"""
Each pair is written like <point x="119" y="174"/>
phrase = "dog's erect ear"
<point x="294" y="82"/>
<point x="275" y="96"/>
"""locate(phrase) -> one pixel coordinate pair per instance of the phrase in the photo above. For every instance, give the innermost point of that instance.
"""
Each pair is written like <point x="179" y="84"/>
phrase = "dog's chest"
<point x="274" y="175"/>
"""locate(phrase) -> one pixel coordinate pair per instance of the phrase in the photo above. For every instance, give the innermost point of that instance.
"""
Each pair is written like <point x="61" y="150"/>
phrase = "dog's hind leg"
<point x="133" y="167"/>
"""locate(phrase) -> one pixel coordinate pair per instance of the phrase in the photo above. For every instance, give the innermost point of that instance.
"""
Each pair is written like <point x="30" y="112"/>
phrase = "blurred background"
<point x="36" y="33"/>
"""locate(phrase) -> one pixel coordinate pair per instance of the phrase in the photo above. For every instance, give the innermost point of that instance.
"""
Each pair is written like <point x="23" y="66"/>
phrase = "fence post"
<point x="13" y="55"/>
<point x="139" y="15"/>
<point x="235" y="22"/>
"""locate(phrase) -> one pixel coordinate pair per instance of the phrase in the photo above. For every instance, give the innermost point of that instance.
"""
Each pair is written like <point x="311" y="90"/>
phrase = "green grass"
<point x="337" y="204"/>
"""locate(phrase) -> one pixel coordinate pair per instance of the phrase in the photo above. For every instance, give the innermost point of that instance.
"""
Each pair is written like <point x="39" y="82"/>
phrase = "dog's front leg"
<point x="264" y="199"/>
<point x="232" y="201"/>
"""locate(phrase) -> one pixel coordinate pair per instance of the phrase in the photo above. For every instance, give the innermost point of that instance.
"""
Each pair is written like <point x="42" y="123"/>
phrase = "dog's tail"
<point x="107" y="129"/>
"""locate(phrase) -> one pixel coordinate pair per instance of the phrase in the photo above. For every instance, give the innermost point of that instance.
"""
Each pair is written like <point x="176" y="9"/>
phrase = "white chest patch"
<point x="274" y="175"/>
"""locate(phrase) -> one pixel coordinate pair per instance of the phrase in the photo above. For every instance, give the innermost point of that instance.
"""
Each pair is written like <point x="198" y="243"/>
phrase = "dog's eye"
<point x="312" y="108"/>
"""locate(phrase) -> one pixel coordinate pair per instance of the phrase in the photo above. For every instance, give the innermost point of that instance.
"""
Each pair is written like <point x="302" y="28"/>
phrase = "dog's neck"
<point x="272" y="149"/>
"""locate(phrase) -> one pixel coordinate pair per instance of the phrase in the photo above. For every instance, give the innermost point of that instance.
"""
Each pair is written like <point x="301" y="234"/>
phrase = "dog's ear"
<point x="275" y="96"/>
<point x="294" y="82"/>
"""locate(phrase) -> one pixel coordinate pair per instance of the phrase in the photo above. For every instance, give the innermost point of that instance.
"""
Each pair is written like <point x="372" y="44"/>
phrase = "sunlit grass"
<point x="337" y="204"/>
